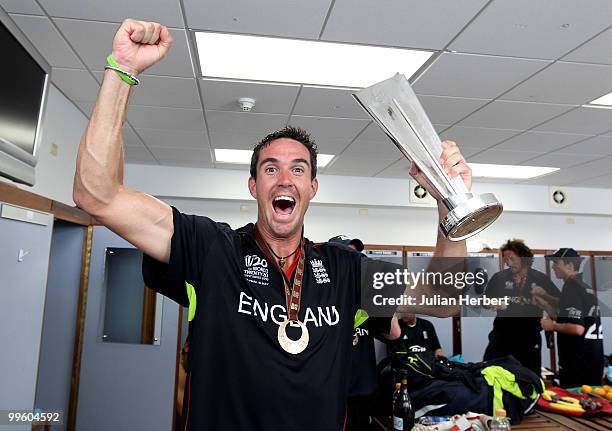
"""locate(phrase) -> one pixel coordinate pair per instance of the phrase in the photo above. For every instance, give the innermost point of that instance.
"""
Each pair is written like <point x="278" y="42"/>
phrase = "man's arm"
<point x="395" y="331"/>
<point x="141" y="219"/>
<point x="563" y="328"/>
<point x="454" y="164"/>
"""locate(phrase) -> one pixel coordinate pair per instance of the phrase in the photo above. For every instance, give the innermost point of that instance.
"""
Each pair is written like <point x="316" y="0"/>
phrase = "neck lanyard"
<point x="293" y="291"/>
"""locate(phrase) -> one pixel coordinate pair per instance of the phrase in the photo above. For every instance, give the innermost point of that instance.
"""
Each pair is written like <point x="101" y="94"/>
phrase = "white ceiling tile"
<point x="167" y="155"/>
<point x="449" y="110"/>
<point x="77" y="84"/>
<point x="589" y="121"/>
<point x="565" y="83"/>
<point x="366" y="149"/>
<point x="130" y="139"/>
<point x="322" y="128"/>
<point x="166" y="12"/>
<point x="558" y="178"/>
<point x="560" y="160"/>
<point x="86" y="107"/>
<point x="476" y="137"/>
<point x="399" y="169"/>
<point x="93" y="41"/>
<point x="174" y="138"/>
<point x="603" y="181"/>
<point x="165" y="91"/>
<point x="331" y="146"/>
<point x="475" y="76"/>
<point x="596" y="167"/>
<point x="257" y="125"/>
<point x="223" y="95"/>
<point x="234" y="167"/>
<point x="513" y="115"/>
<point x="21" y="6"/>
<point x="187" y="164"/>
<point x="274" y="17"/>
<point x="503" y="157"/>
<point x="47" y="40"/>
<point x="237" y="141"/>
<point x="539" y="141"/>
<point x="358" y="166"/>
<point x="597" y="50"/>
<point x="599" y="145"/>
<point x="373" y="133"/>
<point x="139" y="156"/>
<point x="542" y="29"/>
<point x="149" y="117"/>
<point x="398" y="23"/>
<point x="328" y="102"/>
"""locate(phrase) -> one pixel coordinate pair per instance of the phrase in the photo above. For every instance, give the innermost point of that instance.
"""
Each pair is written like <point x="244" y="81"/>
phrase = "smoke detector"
<point x="246" y="104"/>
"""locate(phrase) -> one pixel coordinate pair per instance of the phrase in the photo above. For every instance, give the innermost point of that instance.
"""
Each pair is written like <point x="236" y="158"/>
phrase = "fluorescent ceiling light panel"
<point x="257" y="58"/>
<point x="603" y="100"/>
<point x="243" y="157"/>
<point x="324" y="159"/>
<point x="484" y="170"/>
<point x="233" y="156"/>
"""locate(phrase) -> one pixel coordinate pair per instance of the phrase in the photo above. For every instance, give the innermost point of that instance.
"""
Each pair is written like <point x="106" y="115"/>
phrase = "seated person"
<point x="416" y="335"/>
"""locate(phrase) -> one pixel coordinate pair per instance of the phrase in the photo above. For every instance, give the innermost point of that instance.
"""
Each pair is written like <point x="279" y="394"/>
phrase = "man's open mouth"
<point x="283" y="205"/>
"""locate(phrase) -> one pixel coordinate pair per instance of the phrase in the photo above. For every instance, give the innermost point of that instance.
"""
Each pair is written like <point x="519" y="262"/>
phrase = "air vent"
<point x="558" y="197"/>
<point x="418" y="194"/>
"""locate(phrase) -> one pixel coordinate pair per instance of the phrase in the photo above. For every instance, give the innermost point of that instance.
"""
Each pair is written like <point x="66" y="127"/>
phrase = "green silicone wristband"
<point x="126" y="77"/>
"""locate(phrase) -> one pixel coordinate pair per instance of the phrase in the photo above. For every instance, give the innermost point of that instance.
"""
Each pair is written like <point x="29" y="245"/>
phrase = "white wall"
<point x="63" y="125"/>
<point x="417" y="226"/>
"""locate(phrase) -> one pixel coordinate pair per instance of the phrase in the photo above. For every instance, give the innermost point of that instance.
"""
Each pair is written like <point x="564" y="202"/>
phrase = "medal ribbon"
<point x="293" y="291"/>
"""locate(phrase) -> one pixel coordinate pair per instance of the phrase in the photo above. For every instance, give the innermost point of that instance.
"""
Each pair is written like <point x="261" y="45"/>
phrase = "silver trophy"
<point x="395" y="108"/>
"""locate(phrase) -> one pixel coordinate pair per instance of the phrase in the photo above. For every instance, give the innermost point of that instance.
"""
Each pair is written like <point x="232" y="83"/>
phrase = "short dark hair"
<point x="290" y="132"/>
<point x="519" y="247"/>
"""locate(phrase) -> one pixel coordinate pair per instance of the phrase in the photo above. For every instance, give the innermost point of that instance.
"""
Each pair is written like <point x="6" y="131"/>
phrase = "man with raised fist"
<point x="272" y="330"/>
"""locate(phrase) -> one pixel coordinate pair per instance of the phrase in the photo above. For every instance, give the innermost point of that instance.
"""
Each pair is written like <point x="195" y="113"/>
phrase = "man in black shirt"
<point x="417" y="335"/>
<point x="272" y="330"/>
<point x="516" y="329"/>
<point x="578" y="324"/>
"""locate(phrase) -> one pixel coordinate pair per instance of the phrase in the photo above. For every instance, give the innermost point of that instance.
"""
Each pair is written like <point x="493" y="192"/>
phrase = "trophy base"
<point x="468" y="217"/>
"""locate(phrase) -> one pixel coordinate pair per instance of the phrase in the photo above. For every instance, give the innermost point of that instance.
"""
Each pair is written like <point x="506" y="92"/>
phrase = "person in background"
<point x="364" y="379"/>
<point x="516" y="329"/>
<point x="577" y="323"/>
<point x="416" y="335"/>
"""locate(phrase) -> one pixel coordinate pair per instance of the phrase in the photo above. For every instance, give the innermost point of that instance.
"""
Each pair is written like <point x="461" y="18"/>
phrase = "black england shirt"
<point x="240" y="378"/>
<point x="579" y="306"/>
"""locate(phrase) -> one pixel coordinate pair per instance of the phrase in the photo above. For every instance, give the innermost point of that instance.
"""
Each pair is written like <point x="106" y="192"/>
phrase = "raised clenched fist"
<point x="139" y="44"/>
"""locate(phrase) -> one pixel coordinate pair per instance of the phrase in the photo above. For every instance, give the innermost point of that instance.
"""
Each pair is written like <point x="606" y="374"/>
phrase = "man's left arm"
<point x="455" y="165"/>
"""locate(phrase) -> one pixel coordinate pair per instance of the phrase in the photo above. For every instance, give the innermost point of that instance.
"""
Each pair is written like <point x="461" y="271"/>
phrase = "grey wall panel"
<point x="124" y="386"/>
<point x="59" y="323"/>
<point x="22" y="299"/>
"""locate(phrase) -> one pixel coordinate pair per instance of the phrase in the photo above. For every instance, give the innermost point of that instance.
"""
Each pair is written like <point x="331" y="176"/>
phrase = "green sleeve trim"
<point x="360" y="317"/>
<point x="191" y="295"/>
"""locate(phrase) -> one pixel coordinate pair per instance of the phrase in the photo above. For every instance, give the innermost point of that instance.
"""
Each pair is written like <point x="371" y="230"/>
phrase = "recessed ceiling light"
<point x="485" y="170"/>
<point x="243" y="157"/>
<point x="605" y="100"/>
<point x="258" y="58"/>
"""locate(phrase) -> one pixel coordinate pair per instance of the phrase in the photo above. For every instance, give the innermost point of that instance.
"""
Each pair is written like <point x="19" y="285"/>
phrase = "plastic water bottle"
<point x="500" y="422"/>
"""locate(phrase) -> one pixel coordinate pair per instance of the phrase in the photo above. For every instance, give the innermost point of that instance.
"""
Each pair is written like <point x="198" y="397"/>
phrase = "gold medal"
<point x="293" y="346"/>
